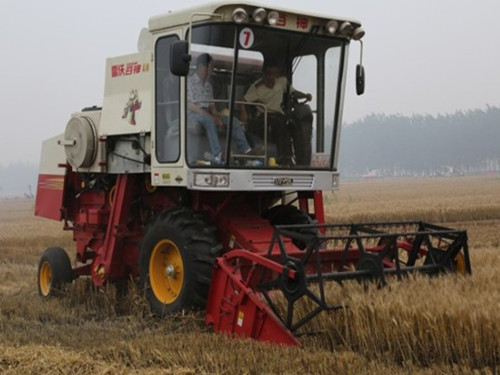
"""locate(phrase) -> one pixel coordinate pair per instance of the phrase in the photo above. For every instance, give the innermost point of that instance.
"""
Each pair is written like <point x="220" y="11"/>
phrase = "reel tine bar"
<point x="268" y="286"/>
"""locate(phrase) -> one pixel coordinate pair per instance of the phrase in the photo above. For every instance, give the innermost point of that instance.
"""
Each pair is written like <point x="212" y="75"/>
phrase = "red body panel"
<point x="234" y="308"/>
<point x="49" y="196"/>
<point x="117" y="256"/>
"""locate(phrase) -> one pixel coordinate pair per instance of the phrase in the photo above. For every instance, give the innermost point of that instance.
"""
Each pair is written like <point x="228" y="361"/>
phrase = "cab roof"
<point x="183" y="17"/>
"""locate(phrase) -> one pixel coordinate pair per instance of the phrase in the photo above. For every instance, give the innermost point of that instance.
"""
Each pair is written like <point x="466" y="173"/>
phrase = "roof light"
<point x="259" y="15"/>
<point x="331" y="26"/>
<point x="358" y="33"/>
<point x="240" y="15"/>
<point x="272" y="17"/>
<point x="345" y="29"/>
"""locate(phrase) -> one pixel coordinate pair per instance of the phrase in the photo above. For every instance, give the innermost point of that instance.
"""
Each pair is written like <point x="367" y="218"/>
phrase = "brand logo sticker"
<point x="133" y="105"/>
<point x="283" y="181"/>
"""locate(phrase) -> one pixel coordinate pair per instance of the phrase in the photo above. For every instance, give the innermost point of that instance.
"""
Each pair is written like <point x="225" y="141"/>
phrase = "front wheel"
<point x="176" y="260"/>
<point x="54" y="271"/>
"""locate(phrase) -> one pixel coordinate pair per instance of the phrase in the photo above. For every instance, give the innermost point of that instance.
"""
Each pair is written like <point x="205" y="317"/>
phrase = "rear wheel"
<point x="176" y="260"/>
<point x="54" y="271"/>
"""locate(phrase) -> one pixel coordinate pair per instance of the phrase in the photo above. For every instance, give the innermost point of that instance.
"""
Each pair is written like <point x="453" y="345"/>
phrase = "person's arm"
<point x="215" y="114"/>
<point x="212" y="112"/>
<point x="192" y="106"/>
<point x="196" y="108"/>
<point x="243" y="112"/>
<point x="249" y="97"/>
<point x="211" y="107"/>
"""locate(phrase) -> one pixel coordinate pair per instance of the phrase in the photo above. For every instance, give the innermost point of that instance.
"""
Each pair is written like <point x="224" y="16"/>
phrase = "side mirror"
<point x="179" y="58"/>
<point x="360" y="79"/>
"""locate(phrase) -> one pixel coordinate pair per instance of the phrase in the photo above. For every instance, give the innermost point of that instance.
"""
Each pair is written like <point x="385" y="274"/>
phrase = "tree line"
<point x="462" y="142"/>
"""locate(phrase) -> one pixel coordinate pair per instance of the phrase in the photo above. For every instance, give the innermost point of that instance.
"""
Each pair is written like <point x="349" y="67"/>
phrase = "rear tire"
<point x="176" y="260"/>
<point x="54" y="271"/>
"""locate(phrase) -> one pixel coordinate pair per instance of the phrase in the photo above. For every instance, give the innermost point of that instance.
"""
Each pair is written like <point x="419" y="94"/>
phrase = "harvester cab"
<point x="201" y="177"/>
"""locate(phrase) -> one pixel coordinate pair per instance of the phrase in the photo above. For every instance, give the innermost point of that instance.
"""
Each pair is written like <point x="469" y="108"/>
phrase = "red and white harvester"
<point x="245" y="239"/>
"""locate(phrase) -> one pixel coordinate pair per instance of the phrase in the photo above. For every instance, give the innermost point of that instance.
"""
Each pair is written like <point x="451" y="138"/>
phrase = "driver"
<point x="269" y="90"/>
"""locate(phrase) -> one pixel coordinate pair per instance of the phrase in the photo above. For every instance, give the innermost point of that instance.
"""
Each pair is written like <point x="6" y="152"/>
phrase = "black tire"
<point x="54" y="271"/>
<point x="291" y="215"/>
<point x="176" y="259"/>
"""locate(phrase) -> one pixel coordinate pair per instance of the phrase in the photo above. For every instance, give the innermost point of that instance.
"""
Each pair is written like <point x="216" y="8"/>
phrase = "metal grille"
<point x="261" y="180"/>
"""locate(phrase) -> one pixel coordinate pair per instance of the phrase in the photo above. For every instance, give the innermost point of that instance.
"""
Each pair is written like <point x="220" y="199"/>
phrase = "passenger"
<point x="269" y="90"/>
<point x="202" y="109"/>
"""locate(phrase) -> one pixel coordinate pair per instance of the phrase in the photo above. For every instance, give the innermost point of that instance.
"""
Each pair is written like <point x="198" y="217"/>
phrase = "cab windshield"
<point x="263" y="98"/>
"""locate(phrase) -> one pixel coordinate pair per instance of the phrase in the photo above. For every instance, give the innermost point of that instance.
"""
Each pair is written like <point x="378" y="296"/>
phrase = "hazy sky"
<point x="426" y="57"/>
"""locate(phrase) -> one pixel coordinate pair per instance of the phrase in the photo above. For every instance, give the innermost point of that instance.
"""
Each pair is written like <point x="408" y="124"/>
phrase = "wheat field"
<point x="443" y="325"/>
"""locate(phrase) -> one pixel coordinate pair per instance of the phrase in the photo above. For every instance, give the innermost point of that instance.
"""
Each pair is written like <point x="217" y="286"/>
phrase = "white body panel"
<point x="53" y="157"/>
<point x="169" y="176"/>
<point x="128" y="95"/>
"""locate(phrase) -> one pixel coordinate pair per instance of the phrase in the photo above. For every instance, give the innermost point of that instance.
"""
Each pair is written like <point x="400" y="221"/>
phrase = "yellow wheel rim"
<point x="149" y="185"/>
<point x="166" y="271"/>
<point x="459" y="264"/>
<point x="45" y="278"/>
<point x="112" y="196"/>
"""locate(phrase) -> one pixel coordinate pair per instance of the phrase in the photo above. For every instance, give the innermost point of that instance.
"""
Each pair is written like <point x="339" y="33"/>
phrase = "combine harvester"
<point x="245" y="238"/>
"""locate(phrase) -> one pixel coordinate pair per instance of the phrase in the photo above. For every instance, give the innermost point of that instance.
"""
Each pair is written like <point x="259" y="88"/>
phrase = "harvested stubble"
<point x="418" y="326"/>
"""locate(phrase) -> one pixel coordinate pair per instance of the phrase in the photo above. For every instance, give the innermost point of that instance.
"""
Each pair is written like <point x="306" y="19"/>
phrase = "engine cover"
<point x="80" y="142"/>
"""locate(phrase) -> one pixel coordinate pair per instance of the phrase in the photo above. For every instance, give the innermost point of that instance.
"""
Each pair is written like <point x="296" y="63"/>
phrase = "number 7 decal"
<point x="246" y="38"/>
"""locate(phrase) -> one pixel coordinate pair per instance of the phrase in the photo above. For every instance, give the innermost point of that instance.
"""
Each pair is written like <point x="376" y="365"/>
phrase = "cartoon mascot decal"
<point x="133" y="104"/>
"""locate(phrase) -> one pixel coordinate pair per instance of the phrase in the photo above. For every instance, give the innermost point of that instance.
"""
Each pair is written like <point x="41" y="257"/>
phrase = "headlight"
<point x="358" y="33"/>
<point x="211" y="179"/>
<point x="345" y="29"/>
<point x="259" y="15"/>
<point x="331" y="26"/>
<point x="240" y="15"/>
<point x="272" y="17"/>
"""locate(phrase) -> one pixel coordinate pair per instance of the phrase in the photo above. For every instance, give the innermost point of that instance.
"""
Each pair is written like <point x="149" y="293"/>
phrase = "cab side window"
<point x="167" y="104"/>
